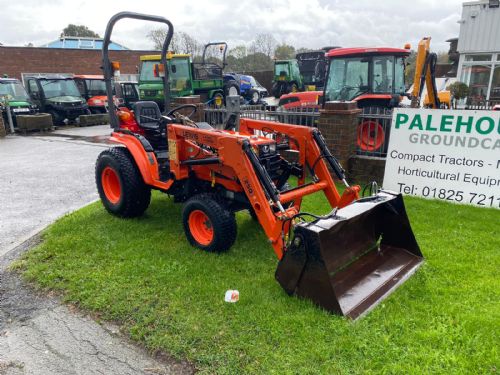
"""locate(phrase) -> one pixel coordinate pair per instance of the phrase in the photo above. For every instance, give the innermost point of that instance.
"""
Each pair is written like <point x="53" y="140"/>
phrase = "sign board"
<point x="445" y="154"/>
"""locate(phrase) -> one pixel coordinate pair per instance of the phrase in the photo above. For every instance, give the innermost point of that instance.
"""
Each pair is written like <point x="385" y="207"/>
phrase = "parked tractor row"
<point x="64" y="97"/>
<point x="205" y="78"/>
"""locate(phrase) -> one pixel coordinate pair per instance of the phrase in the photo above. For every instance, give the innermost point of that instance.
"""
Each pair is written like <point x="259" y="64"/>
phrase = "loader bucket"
<point x="350" y="261"/>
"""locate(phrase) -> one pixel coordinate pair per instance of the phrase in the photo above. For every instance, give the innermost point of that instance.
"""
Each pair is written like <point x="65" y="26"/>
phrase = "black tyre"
<point x="208" y="224"/>
<point x="292" y="87"/>
<point x="253" y="96"/>
<point x="120" y="185"/>
<point x="276" y="90"/>
<point x="231" y="88"/>
<point x="218" y="100"/>
<point x="57" y="119"/>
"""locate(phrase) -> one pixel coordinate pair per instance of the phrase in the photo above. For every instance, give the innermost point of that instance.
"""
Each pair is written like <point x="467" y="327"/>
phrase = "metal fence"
<point x="482" y="104"/>
<point x="373" y="131"/>
<point x="218" y="117"/>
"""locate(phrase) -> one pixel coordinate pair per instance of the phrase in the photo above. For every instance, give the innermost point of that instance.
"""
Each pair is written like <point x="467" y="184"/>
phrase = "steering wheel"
<point x="194" y="107"/>
<point x="344" y="92"/>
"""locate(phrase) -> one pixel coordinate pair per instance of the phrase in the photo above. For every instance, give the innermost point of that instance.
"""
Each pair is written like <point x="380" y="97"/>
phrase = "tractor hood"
<point x="98" y="100"/>
<point x="19" y="104"/>
<point x="66" y="99"/>
<point x="151" y="86"/>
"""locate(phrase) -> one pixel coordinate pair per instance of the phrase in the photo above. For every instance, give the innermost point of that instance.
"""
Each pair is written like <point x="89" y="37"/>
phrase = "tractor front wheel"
<point x="120" y="185"/>
<point x="208" y="224"/>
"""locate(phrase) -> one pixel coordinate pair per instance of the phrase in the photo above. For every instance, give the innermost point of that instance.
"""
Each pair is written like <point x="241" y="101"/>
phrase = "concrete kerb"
<point x="37" y="231"/>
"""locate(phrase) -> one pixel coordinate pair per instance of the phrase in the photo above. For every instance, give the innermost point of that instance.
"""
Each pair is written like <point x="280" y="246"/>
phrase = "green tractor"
<point x="186" y="77"/>
<point x="14" y="96"/>
<point x="287" y="78"/>
<point x="180" y="76"/>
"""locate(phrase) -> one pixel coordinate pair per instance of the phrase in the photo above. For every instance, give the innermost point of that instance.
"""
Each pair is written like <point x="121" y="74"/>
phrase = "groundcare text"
<point x="443" y="154"/>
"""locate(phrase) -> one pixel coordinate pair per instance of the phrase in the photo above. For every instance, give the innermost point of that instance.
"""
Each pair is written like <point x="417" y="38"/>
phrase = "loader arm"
<point x="425" y="66"/>
<point x="236" y="153"/>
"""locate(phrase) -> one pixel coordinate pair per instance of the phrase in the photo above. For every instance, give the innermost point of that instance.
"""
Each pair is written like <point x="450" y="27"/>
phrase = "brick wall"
<point x="17" y="60"/>
<point x="365" y="169"/>
<point x="338" y="123"/>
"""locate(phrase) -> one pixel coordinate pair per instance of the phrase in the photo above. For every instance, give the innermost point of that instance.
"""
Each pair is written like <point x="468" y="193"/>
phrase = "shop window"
<point x="477" y="77"/>
<point x="485" y="57"/>
<point x="495" y="84"/>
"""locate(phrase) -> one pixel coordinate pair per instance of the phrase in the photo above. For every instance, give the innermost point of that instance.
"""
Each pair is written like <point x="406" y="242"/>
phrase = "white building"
<point x="479" y="48"/>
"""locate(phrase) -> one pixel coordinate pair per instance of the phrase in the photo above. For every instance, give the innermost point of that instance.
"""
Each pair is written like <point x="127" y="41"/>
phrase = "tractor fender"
<point x="212" y="93"/>
<point x="143" y="155"/>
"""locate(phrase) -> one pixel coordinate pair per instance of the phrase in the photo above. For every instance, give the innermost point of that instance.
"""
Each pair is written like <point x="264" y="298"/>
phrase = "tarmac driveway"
<point x="42" y="178"/>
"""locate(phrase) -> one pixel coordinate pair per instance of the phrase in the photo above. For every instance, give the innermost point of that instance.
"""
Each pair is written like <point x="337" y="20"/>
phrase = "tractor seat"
<point x="147" y="115"/>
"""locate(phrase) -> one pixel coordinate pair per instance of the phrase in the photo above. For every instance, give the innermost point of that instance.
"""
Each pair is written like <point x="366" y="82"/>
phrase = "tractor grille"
<point x="271" y="163"/>
<point x="71" y="105"/>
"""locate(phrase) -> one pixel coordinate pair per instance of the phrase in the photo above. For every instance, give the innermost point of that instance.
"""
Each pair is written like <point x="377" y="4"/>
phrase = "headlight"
<point x="269" y="148"/>
<point x="98" y="101"/>
<point x="141" y="92"/>
<point x="160" y="92"/>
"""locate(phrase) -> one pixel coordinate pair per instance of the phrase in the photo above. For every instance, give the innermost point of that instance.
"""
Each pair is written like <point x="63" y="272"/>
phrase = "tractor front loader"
<point x="345" y="261"/>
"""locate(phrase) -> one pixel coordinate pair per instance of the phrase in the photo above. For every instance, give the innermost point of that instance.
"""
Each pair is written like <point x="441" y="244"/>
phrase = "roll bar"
<point x="215" y="44"/>
<point x="106" y="63"/>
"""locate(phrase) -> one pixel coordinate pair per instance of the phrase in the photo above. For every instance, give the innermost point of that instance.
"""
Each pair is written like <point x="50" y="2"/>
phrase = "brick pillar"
<point x="338" y="122"/>
<point x="193" y="99"/>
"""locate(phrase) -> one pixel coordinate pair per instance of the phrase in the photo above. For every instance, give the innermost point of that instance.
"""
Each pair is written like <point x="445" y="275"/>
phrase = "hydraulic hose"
<point x="266" y="182"/>
<point x="430" y="64"/>
<point x="326" y="154"/>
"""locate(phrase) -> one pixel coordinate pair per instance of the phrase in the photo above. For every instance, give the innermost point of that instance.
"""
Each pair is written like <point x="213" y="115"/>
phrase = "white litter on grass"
<point x="232" y="296"/>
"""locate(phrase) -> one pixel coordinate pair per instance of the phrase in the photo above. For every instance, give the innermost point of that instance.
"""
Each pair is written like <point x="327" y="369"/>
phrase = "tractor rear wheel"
<point x="231" y="88"/>
<point x="57" y="120"/>
<point x="208" y="224"/>
<point x="120" y="185"/>
<point x="218" y="100"/>
<point x="276" y="90"/>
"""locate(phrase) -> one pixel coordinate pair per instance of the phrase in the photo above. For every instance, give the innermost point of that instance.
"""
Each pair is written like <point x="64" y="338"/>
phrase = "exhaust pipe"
<point x="347" y="263"/>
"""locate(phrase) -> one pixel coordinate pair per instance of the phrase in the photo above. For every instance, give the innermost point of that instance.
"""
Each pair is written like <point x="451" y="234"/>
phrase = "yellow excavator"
<point x="425" y="74"/>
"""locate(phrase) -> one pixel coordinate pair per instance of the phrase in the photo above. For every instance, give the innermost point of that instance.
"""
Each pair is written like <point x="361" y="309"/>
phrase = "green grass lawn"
<point x="169" y="296"/>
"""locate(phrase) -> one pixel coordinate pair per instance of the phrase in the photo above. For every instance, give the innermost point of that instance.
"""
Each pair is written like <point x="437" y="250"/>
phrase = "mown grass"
<point x="169" y="296"/>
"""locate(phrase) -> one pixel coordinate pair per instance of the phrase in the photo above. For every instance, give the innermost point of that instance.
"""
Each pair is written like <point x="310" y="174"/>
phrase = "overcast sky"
<point x="302" y="23"/>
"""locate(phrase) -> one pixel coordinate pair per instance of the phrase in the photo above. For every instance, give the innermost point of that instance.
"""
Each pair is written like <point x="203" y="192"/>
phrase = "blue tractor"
<point x="251" y="90"/>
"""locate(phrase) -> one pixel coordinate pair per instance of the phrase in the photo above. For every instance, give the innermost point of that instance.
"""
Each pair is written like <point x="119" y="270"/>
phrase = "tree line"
<point x="257" y="55"/>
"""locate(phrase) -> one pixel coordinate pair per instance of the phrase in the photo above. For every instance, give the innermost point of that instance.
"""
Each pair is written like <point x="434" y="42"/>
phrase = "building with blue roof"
<point x="76" y="42"/>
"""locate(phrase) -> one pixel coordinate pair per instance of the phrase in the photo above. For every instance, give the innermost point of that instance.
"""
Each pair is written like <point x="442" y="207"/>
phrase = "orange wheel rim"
<point x="111" y="185"/>
<point x="371" y="136"/>
<point x="200" y="227"/>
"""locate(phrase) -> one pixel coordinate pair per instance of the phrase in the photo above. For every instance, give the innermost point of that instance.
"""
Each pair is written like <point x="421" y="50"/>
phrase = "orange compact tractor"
<point x="346" y="261"/>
